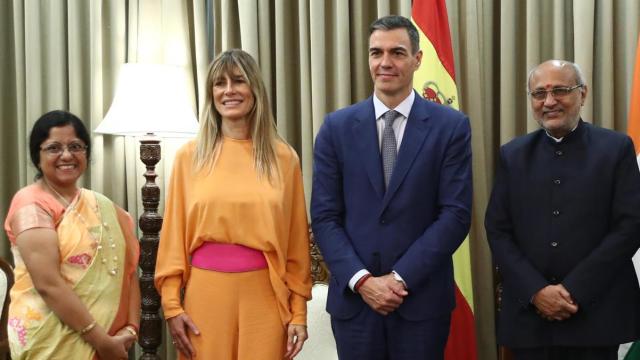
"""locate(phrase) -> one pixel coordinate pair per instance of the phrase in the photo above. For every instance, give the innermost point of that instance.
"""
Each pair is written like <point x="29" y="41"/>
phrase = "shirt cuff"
<point x="399" y="278"/>
<point x="356" y="277"/>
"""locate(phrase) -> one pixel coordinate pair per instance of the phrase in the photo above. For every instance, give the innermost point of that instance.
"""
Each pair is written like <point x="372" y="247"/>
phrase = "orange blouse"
<point x="230" y="204"/>
<point x="32" y="207"/>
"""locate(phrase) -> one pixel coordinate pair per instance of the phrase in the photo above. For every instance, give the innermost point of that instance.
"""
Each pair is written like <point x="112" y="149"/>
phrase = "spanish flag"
<point x="633" y="124"/>
<point x="435" y="80"/>
<point x="633" y="130"/>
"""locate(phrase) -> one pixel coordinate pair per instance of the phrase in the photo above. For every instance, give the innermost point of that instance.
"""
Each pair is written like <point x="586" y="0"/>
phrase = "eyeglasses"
<point x="556" y="92"/>
<point x="56" y="149"/>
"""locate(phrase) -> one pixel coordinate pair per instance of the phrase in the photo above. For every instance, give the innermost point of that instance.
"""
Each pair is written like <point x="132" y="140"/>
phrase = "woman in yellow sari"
<point x="76" y="293"/>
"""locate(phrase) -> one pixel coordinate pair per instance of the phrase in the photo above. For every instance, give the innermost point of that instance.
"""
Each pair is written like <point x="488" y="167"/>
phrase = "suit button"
<point x="554" y="244"/>
<point x="553" y="280"/>
<point x="557" y="181"/>
<point x="556" y="212"/>
<point x="559" y="152"/>
<point x="383" y="221"/>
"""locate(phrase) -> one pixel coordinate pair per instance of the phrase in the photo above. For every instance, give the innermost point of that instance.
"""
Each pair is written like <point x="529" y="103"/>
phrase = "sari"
<point x="98" y="256"/>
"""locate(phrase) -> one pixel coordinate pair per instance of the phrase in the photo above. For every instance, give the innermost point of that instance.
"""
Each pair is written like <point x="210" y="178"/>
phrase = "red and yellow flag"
<point x="633" y="130"/>
<point x="435" y="80"/>
<point x="633" y="125"/>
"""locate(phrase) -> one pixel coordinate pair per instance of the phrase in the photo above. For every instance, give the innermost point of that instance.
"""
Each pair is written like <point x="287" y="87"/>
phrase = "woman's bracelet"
<point x="135" y="327"/>
<point x="88" y="328"/>
<point x="131" y="329"/>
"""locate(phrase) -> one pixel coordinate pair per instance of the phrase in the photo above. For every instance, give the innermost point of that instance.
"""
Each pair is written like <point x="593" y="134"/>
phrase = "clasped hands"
<point x="554" y="303"/>
<point x="110" y="346"/>
<point x="384" y="294"/>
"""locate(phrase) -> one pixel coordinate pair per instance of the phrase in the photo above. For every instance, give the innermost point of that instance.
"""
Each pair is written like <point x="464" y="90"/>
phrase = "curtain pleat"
<point x="313" y="55"/>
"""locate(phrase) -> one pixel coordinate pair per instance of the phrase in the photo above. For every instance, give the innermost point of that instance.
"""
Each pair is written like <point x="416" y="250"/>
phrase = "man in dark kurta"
<point x="563" y="223"/>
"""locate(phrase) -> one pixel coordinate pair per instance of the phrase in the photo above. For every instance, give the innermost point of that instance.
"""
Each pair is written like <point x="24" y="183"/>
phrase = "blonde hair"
<point x="261" y="122"/>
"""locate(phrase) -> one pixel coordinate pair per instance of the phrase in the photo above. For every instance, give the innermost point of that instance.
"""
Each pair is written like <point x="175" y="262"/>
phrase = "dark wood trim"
<point x="4" y="341"/>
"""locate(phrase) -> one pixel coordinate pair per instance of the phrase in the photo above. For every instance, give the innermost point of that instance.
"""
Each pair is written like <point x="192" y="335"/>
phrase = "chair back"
<point x="319" y="271"/>
<point x="6" y="282"/>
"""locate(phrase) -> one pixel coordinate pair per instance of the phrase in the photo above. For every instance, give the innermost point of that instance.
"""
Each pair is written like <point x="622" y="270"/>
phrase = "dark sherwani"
<point x="568" y="213"/>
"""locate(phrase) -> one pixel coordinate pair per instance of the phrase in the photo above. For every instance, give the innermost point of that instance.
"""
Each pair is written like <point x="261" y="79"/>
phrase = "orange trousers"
<point x="237" y="315"/>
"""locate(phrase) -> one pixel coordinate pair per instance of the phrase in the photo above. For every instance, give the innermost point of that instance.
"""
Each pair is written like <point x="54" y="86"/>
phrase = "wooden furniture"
<point x="319" y="271"/>
<point x="8" y="278"/>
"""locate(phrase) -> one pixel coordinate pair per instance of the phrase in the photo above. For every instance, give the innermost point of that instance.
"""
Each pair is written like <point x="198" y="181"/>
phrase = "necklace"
<point x="104" y="232"/>
<point x="64" y="200"/>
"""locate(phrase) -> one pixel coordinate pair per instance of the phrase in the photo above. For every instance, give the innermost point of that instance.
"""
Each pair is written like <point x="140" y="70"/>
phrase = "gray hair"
<point x="579" y="76"/>
<point x="392" y="22"/>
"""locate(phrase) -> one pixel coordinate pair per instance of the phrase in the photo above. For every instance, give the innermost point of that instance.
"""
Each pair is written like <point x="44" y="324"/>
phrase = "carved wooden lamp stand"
<point x="150" y="223"/>
<point x="150" y="101"/>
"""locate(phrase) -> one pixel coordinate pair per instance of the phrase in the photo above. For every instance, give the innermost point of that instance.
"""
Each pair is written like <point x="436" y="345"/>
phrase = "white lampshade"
<point x="150" y="99"/>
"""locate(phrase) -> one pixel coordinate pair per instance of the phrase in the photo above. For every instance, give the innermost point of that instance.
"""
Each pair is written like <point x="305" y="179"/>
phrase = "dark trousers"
<point x="371" y="336"/>
<point x="567" y="353"/>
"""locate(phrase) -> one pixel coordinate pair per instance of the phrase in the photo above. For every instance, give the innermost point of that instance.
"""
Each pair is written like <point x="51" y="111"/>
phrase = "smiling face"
<point x="232" y="96"/>
<point x="62" y="170"/>
<point x="392" y="64"/>
<point x="558" y="115"/>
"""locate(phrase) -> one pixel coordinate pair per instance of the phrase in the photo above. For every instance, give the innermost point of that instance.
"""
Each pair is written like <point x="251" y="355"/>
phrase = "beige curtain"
<point x="58" y="54"/>
<point x="600" y="35"/>
<point x="66" y="54"/>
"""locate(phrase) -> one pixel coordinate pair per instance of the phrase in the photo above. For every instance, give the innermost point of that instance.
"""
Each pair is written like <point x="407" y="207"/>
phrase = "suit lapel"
<point x="414" y="135"/>
<point x="365" y="134"/>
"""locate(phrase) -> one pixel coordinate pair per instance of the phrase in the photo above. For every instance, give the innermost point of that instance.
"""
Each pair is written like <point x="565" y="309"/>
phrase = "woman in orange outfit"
<point x="235" y="234"/>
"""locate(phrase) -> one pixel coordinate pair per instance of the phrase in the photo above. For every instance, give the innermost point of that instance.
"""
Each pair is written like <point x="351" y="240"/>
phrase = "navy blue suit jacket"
<point x="414" y="226"/>
<point x="567" y="213"/>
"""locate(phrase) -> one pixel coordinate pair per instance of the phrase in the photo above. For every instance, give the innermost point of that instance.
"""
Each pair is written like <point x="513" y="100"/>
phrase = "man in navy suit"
<point x="563" y="223"/>
<point x="390" y="204"/>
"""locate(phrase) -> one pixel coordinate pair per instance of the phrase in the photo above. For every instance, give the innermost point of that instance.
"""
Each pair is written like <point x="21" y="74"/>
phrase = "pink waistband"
<point x="227" y="258"/>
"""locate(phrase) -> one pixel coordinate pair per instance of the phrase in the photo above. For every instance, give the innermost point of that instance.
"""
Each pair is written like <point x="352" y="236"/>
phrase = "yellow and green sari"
<point x="97" y="259"/>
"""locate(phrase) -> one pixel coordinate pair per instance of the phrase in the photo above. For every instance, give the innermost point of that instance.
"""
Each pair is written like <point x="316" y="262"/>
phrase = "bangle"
<point x="131" y="330"/>
<point x="135" y="327"/>
<point x="88" y="328"/>
<point x="361" y="281"/>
